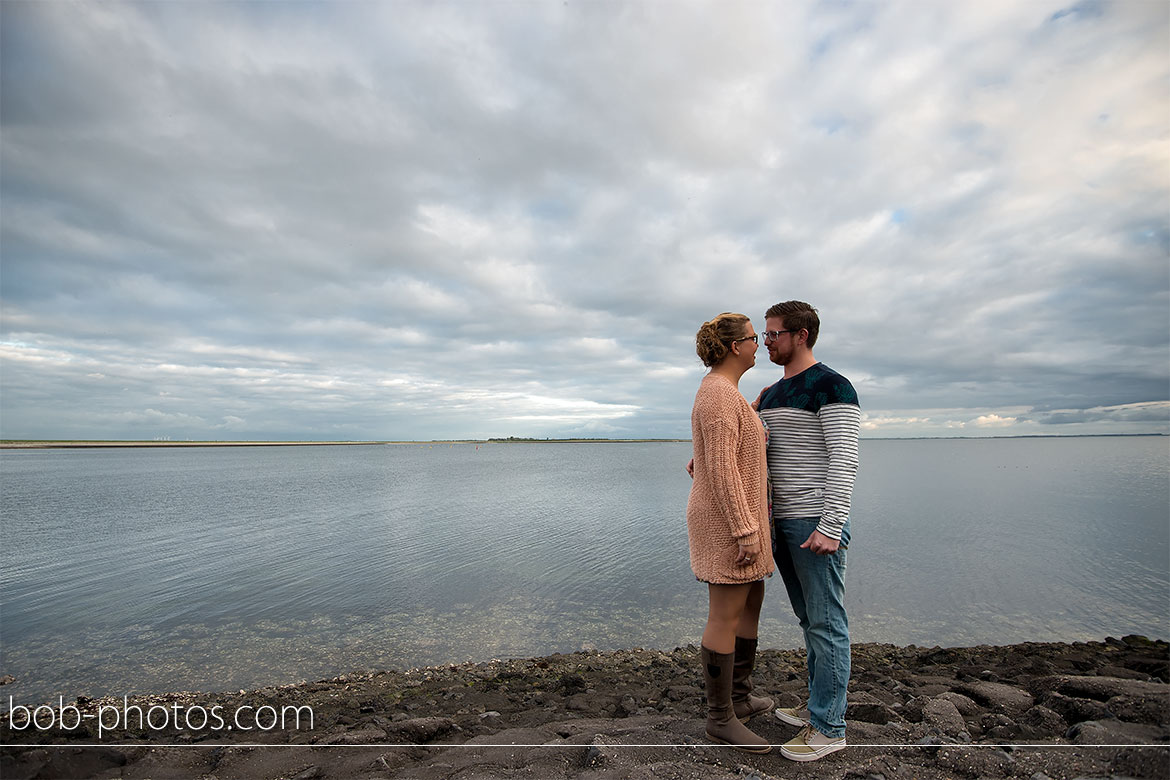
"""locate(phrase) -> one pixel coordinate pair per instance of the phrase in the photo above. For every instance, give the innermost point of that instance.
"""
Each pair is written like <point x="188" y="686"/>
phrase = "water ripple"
<point x="132" y="569"/>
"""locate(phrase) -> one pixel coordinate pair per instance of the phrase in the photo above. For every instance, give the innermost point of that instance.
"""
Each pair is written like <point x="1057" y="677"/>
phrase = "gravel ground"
<point x="1032" y="710"/>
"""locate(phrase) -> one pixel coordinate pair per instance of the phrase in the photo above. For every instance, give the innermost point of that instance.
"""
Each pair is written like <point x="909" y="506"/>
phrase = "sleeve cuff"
<point x="831" y="531"/>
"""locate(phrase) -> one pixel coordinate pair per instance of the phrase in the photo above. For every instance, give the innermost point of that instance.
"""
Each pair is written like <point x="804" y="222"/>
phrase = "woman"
<point x="728" y="528"/>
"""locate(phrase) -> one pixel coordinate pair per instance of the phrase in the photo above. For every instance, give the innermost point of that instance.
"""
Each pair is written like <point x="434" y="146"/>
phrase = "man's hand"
<point x="820" y="544"/>
<point x="756" y="403"/>
<point x="691" y="467"/>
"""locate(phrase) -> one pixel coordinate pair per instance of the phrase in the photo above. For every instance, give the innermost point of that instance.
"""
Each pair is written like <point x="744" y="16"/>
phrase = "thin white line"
<point x="509" y="745"/>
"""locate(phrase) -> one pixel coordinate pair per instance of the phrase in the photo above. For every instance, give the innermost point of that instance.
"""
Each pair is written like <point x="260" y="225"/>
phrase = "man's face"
<point x="780" y="348"/>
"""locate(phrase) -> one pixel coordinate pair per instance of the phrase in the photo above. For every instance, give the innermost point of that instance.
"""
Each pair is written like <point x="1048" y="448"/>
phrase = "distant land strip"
<point x="26" y="444"/>
<point x="14" y="444"/>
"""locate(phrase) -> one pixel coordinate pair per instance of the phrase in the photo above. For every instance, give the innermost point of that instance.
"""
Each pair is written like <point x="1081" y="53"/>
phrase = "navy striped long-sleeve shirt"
<point x="814" y="421"/>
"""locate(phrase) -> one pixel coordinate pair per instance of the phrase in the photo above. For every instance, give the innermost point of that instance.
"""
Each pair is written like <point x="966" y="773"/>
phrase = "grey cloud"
<point x="313" y="220"/>
<point x="1155" y="412"/>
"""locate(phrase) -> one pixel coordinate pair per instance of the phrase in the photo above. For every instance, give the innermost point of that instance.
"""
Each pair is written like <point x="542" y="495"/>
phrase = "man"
<point x="813" y="420"/>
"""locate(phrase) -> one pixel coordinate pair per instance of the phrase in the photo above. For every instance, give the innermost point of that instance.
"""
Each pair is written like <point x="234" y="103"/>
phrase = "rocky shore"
<point x="1033" y="710"/>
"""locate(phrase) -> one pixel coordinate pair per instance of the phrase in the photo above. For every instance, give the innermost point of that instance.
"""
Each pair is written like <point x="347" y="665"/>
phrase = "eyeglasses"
<point x="772" y="335"/>
<point x="755" y="337"/>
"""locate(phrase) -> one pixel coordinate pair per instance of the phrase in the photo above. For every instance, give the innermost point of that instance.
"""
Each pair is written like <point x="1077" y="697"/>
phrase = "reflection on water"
<point x="130" y="570"/>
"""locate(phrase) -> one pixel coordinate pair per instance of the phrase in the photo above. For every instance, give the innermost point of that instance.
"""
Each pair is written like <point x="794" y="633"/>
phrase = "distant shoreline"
<point x="32" y="444"/>
<point x="64" y="444"/>
<point x="20" y="444"/>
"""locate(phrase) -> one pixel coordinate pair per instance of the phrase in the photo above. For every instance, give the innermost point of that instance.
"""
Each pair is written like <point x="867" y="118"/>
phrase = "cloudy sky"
<point x="399" y="220"/>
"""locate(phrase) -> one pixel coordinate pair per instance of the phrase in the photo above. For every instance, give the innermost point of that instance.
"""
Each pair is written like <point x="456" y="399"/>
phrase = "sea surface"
<point x="147" y="570"/>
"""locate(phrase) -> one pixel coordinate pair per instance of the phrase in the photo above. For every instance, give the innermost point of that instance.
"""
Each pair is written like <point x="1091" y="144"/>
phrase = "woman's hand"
<point x="691" y="467"/>
<point x="748" y="554"/>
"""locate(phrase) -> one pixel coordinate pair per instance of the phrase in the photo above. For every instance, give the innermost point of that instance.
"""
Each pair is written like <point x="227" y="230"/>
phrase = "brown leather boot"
<point x="722" y="725"/>
<point x="746" y="705"/>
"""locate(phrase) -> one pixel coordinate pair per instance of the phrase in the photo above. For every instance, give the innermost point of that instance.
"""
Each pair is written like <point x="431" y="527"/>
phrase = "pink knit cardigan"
<point x="728" y="502"/>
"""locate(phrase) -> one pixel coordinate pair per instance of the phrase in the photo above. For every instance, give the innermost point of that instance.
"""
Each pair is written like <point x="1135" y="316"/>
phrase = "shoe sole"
<point x="791" y="721"/>
<point x="820" y="753"/>
<point x="745" y="748"/>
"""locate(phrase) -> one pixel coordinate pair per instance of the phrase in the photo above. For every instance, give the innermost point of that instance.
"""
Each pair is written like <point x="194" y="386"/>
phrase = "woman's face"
<point x="748" y="345"/>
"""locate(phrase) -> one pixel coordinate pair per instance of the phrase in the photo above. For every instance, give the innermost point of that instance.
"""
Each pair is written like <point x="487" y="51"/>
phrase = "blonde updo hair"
<point x="713" y="341"/>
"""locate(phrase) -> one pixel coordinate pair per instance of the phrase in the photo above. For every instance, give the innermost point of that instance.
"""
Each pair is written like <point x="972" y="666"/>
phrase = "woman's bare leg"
<point x="749" y="621"/>
<point x="725" y="609"/>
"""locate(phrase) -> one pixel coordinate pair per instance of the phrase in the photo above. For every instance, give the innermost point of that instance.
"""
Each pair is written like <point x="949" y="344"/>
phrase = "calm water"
<point x="132" y="570"/>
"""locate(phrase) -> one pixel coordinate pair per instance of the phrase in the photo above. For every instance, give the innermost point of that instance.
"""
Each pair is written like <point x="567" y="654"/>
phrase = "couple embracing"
<point x="772" y="486"/>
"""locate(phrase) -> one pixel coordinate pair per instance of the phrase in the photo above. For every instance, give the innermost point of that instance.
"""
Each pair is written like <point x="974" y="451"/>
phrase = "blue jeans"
<point x="816" y="588"/>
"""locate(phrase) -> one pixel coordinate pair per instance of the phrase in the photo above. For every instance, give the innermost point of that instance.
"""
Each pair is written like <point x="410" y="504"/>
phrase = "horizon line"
<point x="95" y="443"/>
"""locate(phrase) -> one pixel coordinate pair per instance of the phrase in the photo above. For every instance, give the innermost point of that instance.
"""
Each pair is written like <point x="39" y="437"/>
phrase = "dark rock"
<point x="1122" y="673"/>
<point x="1158" y="667"/>
<point x="1075" y="710"/>
<point x="963" y="704"/>
<point x="1140" y="709"/>
<point x="81" y="762"/>
<point x="572" y="683"/>
<point x="420" y="730"/>
<point x="1040" y="722"/>
<point x="999" y="727"/>
<point x="24" y="765"/>
<point x="627" y="707"/>
<point x="912" y="710"/>
<point x="679" y="693"/>
<point x="865" y="707"/>
<point x="1040" y="666"/>
<point x="975" y="762"/>
<point x="930" y="690"/>
<point x="997" y="696"/>
<point x="920" y="680"/>
<point x="579" y="703"/>
<point x="882" y="768"/>
<point x="1005" y="733"/>
<point x="995" y="719"/>
<point x="592" y="756"/>
<point x="883" y="694"/>
<point x="1141" y="762"/>
<point x="978" y="673"/>
<point x="949" y="655"/>
<point x="941" y="716"/>
<point x="1079" y="659"/>
<point x="602" y="750"/>
<point x="1101" y="688"/>
<point x="1115" y="732"/>
<point x="356" y="737"/>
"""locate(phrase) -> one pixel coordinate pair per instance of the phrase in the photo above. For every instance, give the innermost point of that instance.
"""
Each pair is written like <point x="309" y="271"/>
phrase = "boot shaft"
<point x="745" y="662"/>
<point x="718" y="676"/>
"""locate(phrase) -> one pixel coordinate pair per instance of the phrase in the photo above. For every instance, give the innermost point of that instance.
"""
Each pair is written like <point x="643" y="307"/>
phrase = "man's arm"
<point x="760" y="397"/>
<point x="841" y="425"/>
